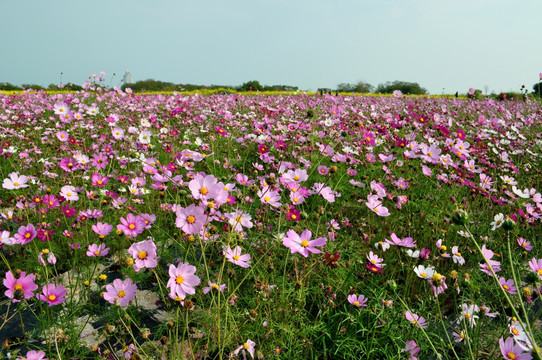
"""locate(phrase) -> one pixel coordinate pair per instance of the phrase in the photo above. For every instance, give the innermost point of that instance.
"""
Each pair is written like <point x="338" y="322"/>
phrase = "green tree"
<point x="253" y="85"/>
<point x="404" y="86"/>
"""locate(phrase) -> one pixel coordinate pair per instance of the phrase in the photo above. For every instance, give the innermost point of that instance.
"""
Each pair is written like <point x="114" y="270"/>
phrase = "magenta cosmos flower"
<point x="132" y="225"/>
<point x="15" y="181"/>
<point x="120" y="292"/>
<point x="508" y="285"/>
<point x="21" y="287"/>
<point x="182" y="280"/>
<point x="191" y="219"/>
<point x="302" y="243"/>
<point x="234" y="256"/>
<point x="52" y="294"/>
<point x="511" y="351"/>
<point x="144" y="254"/>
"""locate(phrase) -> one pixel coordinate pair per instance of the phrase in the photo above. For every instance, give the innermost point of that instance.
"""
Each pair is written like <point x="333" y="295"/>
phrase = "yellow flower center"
<point x="52" y="298"/>
<point x="214" y="286"/>
<point x="457" y="254"/>
<point x="429" y="154"/>
<point x="142" y="255"/>
<point x="304" y="243"/>
<point x="511" y="355"/>
<point x="437" y="277"/>
<point x="246" y="346"/>
<point x="238" y="219"/>
<point x="423" y="275"/>
<point x="356" y="303"/>
<point x="190" y="219"/>
<point x="236" y="257"/>
<point x="506" y="287"/>
<point x="27" y="235"/>
<point x="267" y="198"/>
<point x="131" y="226"/>
<point x="539" y="271"/>
<point x="18" y="287"/>
<point x="97" y="252"/>
<point x="179" y="280"/>
<point x="121" y="293"/>
<point x="296" y="178"/>
<point x="294" y="217"/>
<point x="203" y="191"/>
<point x="16" y="183"/>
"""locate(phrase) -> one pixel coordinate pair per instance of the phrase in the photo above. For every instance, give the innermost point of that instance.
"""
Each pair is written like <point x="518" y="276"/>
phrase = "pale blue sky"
<point x="454" y="44"/>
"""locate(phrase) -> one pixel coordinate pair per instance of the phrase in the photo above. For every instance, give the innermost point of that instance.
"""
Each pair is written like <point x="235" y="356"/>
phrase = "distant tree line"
<point x="10" y="87"/>
<point x="383" y="88"/>
<point x="156" y="85"/>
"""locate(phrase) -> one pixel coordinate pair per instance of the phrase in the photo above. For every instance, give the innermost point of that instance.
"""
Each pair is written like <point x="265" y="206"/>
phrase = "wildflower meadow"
<point x="258" y="226"/>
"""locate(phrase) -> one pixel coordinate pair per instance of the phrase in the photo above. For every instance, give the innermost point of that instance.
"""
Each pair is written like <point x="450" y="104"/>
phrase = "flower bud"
<point x="460" y="217"/>
<point x="508" y="224"/>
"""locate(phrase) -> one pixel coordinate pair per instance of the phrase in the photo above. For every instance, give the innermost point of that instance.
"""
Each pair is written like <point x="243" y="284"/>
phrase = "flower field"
<point x="184" y="226"/>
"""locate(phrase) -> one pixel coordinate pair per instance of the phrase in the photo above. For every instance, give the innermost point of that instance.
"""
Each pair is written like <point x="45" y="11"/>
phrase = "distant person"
<point x="456" y="94"/>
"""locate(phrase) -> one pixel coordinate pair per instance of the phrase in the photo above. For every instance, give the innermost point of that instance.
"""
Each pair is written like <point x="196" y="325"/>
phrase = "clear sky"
<point x="445" y="46"/>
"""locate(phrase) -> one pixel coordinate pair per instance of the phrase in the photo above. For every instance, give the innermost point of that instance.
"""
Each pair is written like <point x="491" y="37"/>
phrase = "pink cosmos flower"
<point x="15" y="181"/>
<point x="69" y="193"/>
<point x="191" y="219"/>
<point x="358" y="301"/>
<point x="267" y="196"/>
<point x="102" y="229"/>
<point x="25" y="234"/>
<point x="97" y="250"/>
<point x="99" y="180"/>
<point x="524" y="244"/>
<point x="298" y="175"/>
<point x="536" y="266"/>
<point x="406" y="242"/>
<point x="508" y="285"/>
<point x="375" y="205"/>
<point x="182" y="280"/>
<point x="416" y="320"/>
<point x="132" y="225"/>
<point x="34" y="355"/>
<point x="144" y="254"/>
<point x="302" y="243"/>
<point x="120" y="292"/>
<point x="238" y="220"/>
<point x="6" y="239"/>
<point x="375" y="260"/>
<point x="204" y="187"/>
<point x="21" y="287"/>
<point x="52" y="294"/>
<point x="213" y="285"/>
<point x="413" y="349"/>
<point x="325" y="191"/>
<point x="511" y="351"/>
<point x="234" y="256"/>
<point x="248" y="346"/>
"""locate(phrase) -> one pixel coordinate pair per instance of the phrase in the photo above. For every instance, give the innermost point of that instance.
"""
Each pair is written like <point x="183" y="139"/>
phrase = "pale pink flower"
<point x="15" y="181"/>
<point x="235" y="257"/>
<point x="182" y="280"/>
<point x="376" y="206"/>
<point x="144" y="254"/>
<point x="248" y="346"/>
<point x="120" y="292"/>
<point x="302" y="243"/>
